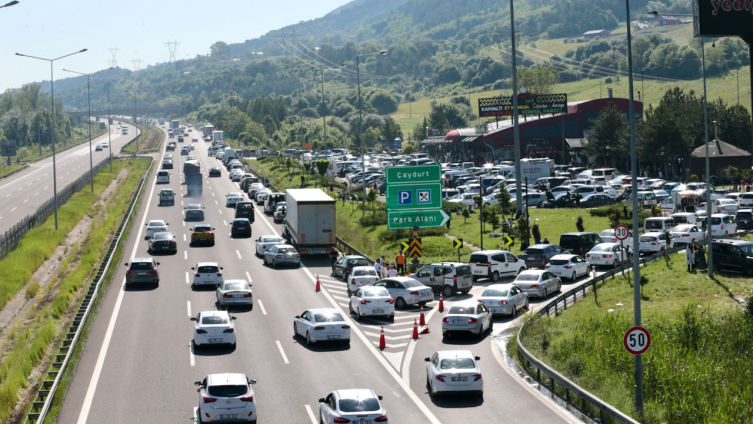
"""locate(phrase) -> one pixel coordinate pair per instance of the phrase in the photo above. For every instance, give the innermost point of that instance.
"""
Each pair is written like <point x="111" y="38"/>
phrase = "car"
<point x="727" y="206"/>
<point x="282" y="254"/>
<point x="207" y="274"/>
<point x="733" y="255"/>
<point x="494" y="264"/>
<point x="142" y="270"/>
<point x="253" y="189"/>
<point x="194" y="139"/>
<point x="233" y="198"/>
<point x="560" y="199"/>
<point x="744" y="219"/>
<point x="653" y="242"/>
<point x="372" y="301"/>
<point x="155" y="226"/>
<point x="162" y="242"/>
<point x="595" y="200"/>
<point x="609" y="254"/>
<point x="723" y="224"/>
<point x="579" y="243"/>
<point x="537" y="255"/>
<point x="352" y="406"/>
<point x="686" y="233"/>
<point x="202" y="233"/>
<point x="236" y="174"/>
<point x="215" y="172"/>
<point x="539" y="283"/>
<point x="234" y="293"/>
<point x="568" y="266"/>
<point x="321" y="325"/>
<point x="361" y="276"/>
<point x="261" y="195"/>
<point x="98" y="148"/>
<point x="184" y="152"/>
<point x="505" y="299"/>
<point x="213" y="328"/>
<point x="280" y="212"/>
<point x="454" y="371"/>
<point x="180" y="138"/>
<point x="240" y="227"/>
<point x="406" y="291"/>
<point x="265" y="242"/>
<point x="167" y="164"/>
<point x="446" y="277"/>
<point x="346" y="264"/>
<point x="467" y="317"/>
<point x="226" y="397"/>
<point x="194" y="212"/>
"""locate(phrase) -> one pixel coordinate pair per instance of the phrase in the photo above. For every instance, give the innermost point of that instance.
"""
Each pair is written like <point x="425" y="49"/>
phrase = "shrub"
<point x="693" y="178"/>
<point x="32" y="290"/>
<point x="749" y="304"/>
<point x="536" y="232"/>
<point x="579" y="224"/>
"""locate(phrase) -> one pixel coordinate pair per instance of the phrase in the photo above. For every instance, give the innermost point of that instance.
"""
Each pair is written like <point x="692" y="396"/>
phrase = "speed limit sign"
<point x="621" y="232"/>
<point x="637" y="340"/>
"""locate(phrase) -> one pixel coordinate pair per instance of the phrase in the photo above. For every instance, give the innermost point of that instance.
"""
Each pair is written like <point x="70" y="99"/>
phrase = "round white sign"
<point x="621" y="232"/>
<point x="637" y="340"/>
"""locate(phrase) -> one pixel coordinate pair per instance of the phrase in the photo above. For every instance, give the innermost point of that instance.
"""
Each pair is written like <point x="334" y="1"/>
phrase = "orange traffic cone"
<point x="425" y="330"/>
<point x="318" y="286"/>
<point x="415" y="331"/>
<point x="422" y="320"/>
<point x="382" y="342"/>
<point x="441" y="303"/>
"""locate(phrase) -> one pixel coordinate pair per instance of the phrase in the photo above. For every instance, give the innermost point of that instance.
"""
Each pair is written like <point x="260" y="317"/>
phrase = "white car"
<point x="568" y="266"/>
<point x="226" y="397"/>
<point x="370" y="301"/>
<point x="607" y="236"/>
<point x="213" y="328"/>
<point x="465" y="199"/>
<point x="667" y="205"/>
<point x="155" y="226"/>
<point x="467" y="317"/>
<point x="686" y="233"/>
<point x="357" y="406"/>
<point x="320" y="325"/>
<point x="504" y="299"/>
<point x="253" y="189"/>
<point x="406" y="291"/>
<point x="361" y="276"/>
<point x="261" y="195"/>
<point x="236" y="174"/>
<point x="608" y="254"/>
<point x="163" y="177"/>
<point x="727" y="206"/>
<point x="653" y="242"/>
<point x="233" y="198"/>
<point x="263" y="243"/>
<point x="235" y="293"/>
<point x="723" y="224"/>
<point x="538" y="283"/>
<point x="207" y="274"/>
<point x="746" y="200"/>
<point x="454" y="371"/>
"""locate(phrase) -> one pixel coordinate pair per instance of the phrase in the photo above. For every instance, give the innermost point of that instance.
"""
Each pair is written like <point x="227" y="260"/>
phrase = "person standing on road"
<point x="400" y="262"/>
<point x="385" y="271"/>
<point x="378" y="267"/>
<point x="392" y="272"/>
<point x="689" y="256"/>
<point x="333" y="256"/>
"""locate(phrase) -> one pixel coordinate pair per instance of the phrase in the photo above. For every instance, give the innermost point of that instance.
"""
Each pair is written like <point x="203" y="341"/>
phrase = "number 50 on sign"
<point x="637" y="340"/>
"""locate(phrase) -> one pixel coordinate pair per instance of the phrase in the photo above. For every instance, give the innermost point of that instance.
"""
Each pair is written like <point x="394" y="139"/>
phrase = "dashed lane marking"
<point x="282" y="352"/>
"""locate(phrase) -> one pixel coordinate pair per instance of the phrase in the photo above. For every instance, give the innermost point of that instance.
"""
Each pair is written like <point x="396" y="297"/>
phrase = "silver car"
<point x="235" y="293"/>
<point x="467" y="317"/>
<point x="406" y="291"/>
<point x="505" y="299"/>
<point x="282" y="254"/>
<point x="538" y="283"/>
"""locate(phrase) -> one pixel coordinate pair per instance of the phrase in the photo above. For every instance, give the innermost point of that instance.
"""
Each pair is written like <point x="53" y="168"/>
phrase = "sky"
<point x="139" y="29"/>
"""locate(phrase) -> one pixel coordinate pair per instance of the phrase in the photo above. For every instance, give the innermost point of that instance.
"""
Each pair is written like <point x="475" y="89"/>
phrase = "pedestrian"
<point x="303" y="181"/>
<point x="702" y="258"/>
<point x="546" y="241"/>
<point x="331" y="185"/>
<point x="689" y="256"/>
<point x="661" y="175"/>
<point x="400" y="262"/>
<point x="548" y="186"/>
<point x="385" y="271"/>
<point x="393" y="271"/>
<point x="696" y="254"/>
<point x="624" y="212"/>
<point x="333" y="256"/>
<point x="577" y="200"/>
<point x="447" y="211"/>
<point x="378" y="267"/>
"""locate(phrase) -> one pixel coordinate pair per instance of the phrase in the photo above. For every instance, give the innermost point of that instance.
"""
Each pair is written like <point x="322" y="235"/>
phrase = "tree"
<point x="419" y="131"/>
<point x="391" y="130"/>
<point x="537" y="79"/>
<point x="609" y="135"/>
<point x="322" y="166"/>
<point x="444" y="116"/>
<point x="407" y="150"/>
<point x="383" y="102"/>
<point x="504" y="202"/>
<point x="371" y="196"/>
<point x="219" y="49"/>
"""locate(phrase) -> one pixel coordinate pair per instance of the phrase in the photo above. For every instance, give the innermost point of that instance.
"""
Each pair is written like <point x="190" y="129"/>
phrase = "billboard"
<point x="721" y="18"/>
<point x="528" y="104"/>
<point x="8" y="148"/>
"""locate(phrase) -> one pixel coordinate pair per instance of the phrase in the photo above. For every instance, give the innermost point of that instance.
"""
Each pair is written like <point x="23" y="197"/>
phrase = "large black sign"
<point x="8" y="148"/>
<point x="528" y="104"/>
<point x="720" y="18"/>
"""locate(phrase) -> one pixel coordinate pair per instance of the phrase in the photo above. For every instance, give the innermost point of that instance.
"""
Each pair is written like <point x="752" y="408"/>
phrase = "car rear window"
<point x="240" y="223"/>
<point x="457" y="364"/>
<point x="478" y="259"/>
<point x="569" y="239"/>
<point x="141" y="266"/>
<point x="286" y="250"/>
<point x="647" y="239"/>
<point x="462" y="310"/>
<point x="534" y="251"/>
<point x="359" y="262"/>
<point x="527" y="277"/>
<point x="375" y="293"/>
<point x="207" y="269"/>
<point x="271" y="240"/>
<point x="494" y="293"/>
<point x="744" y="214"/>
<point x="559" y="261"/>
<point x="364" y="273"/>
<point x="359" y="405"/>
<point x="599" y="248"/>
<point x="162" y="236"/>
<point x="245" y="206"/>
<point x="202" y="228"/>
<point x="227" y="391"/>
<point x="213" y="320"/>
<point x="328" y="318"/>
<point x="463" y="271"/>
<point x="236" y="286"/>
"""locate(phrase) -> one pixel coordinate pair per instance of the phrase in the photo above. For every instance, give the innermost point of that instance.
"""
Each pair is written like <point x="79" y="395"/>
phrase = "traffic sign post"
<point x="457" y="244"/>
<point x="409" y="219"/>
<point x="637" y="340"/>
<point x="416" y="249"/>
<point x="621" y="233"/>
<point x="414" y="197"/>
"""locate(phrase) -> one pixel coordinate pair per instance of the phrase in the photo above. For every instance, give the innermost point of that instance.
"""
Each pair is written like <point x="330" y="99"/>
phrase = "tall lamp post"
<point x="14" y="2"/>
<point x="360" y="125"/>
<point x="89" y="121"/>
<point x="52" y="127"/>
<point x="109" y="118"/>
<point x="324" y="109"/>
<point x="135" y="121"/>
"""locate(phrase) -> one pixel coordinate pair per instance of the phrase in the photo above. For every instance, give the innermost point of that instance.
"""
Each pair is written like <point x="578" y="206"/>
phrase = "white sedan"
<point x="372" y="301"/>
<point x="728" y="206"/>
<point x="263" y="243"/>
<point x="261" y="195"/>
<point x="207" y="274"/>
<point x="235" y="293"/>
<point x="538" y="282"/>
<point x="608" y="254"/>
<point x="568" y="266"/>
<point x="454" y="371"/>
<point x="352" y="406"/>
<point x="361" y="276"/>
<point x="224" y="397"/>
<point x="213" y="328"/>
<point x="406" y="291"/>
<point x="321" y="324"/>
<point x="653" y="242"/>
<point x="155" y="226"/>
<point x="233" y="198"/>
<point x="686" y="233"/>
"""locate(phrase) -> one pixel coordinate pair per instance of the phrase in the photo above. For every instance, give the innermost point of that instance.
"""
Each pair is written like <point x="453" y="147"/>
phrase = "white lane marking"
<point x="185" y="255"/>
<point x="184" y="237"/>
<point x="181" y="203"/>
<point x="249" y="278"/>
<point x="187" y="281"/>
<point x="188" y="302"/>
<point x="282" y="352"/>
<point x="14" y="209"/>
<point x="212" y="194"/>
<point x="184" y="223"/>
<point x="38" y="178"/>
<point x="191" y="357"/>
<point x="224" y="222"/>
<point x="216" y="203"/>
<point x="9" y="195"/>
<point x="238" y="253"/>
<point x="36" y="194"/>
<point x="26" y="200"/>
<point x="86" y="407"/>
<point x="220" y="211"/>
<point x="46" y="187"/>
<point x="20" y="189"/>
<point x="311" y="414"/>
<point x="261" y="305"/>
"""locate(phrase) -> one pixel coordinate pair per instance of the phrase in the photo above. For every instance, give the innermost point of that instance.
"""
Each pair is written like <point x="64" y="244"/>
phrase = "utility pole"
<point x="113" y="57"/>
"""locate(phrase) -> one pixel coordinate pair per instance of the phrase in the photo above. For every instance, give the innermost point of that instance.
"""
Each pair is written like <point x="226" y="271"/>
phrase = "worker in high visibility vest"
<point x="400" y="261"/>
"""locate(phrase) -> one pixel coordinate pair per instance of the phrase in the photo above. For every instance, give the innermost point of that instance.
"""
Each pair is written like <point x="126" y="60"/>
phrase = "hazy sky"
<point x="138" y="28"/>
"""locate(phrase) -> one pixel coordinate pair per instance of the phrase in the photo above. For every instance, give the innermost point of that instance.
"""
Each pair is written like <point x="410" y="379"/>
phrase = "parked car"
<point x="346" y="264"/>
<point x="654" y="242"/>
<point x="579" y="243"/>
<point x="265" y="242"/>
<point x="371" y="301"/>
<point x="733" y="255"/>
<point x="723" y="224"/>
<point x="744" y="218"/>
<point x="505" y="299"/>
<point x="595" y="200"/>
<point x="539" y="283"/>
<point x="361" y="276"/>
<point x="538" y="255"/>
<point x="686" y="233"/>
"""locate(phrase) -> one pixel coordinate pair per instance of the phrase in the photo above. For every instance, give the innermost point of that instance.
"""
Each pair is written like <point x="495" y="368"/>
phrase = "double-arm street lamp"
<point x="89" y="121"/>
<point x="109" y="118"/>
<point x="324" y="108"/>
<point x="52" y="126"/>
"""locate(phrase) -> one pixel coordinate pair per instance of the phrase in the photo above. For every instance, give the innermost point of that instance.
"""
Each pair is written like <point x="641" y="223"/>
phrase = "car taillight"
<point x="391" y="301"/>
<point x="454" y="279"/>
<point x="535" y="286"/>
<point x="247" y="398"/>
<point x="445" y="320"/>
<point x="345" y="327"/>
<point x="504" y="302"/>
<point x="489" y="266"/>
<point x="201" y="331"/>
<point x="129" y="272"/>
<point x="153" y="271"/>
<point x="298" y="255"/>
<point x="382" y="419"/>
<point x="655" y="243"/>
<point x="340" y="420"/>
<point x="229" y="330"/>
<point x="607" y="256"/>
<point x="318" y="328"/>
<point x="197" y="275"/>
<point x="414" y="293"/>
<point x="227" y="296"/>
<point x="546" y="266"/>
<point x="440" y="377"/>
<point x="685" y="235"/>
<point x="568" y="266"/>
<point x="263" y="246"/>
<point x="247" y="295"/>
<point x="208" y="399"/>
<point x="363" y="302"/>
<point x="477" y="377"/>
<point x="472" y="320"/>
<point x="279" y="256"/>
<point x="219" y="274"/>
<point x="172" y="242"/>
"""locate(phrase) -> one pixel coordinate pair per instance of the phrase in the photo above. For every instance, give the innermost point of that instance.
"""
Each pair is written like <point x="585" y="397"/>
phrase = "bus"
<point x="125" y="130"/>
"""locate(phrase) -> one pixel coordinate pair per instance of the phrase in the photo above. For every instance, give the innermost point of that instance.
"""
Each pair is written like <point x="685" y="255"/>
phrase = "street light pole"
<point x="52" y="126"/>
<point x="515" y="120"/>
<point x="710" y="262"/>
<point x="324" y="111"/>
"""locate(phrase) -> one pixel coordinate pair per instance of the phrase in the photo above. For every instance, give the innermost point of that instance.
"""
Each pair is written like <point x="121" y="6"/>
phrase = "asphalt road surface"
<point x="23" y="192"/>
<point x="138" y="364"/>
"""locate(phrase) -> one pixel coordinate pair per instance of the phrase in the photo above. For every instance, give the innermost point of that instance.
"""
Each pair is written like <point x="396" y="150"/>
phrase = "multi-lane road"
<point x="23" y="192"/>
<point x="138" y="364"/>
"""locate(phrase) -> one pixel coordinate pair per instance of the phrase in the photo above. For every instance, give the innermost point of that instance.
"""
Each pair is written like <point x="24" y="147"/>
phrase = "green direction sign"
<point x="421" y="219"/>
<point x="414" y="196"/>
<point x="414" y="174"/>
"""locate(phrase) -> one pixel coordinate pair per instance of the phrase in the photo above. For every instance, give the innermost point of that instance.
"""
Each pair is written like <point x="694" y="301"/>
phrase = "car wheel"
<point x="572" y="277"/>
<point x="614" y="264"/>
<point x="308" y="339"/>
<point x="526" y="303"/>
<point x="428" y="385"/>
<point x="358" y="314"/>
<point x="295" y="331"/>
<point x="400" y="303"/>
<point x="491" y="325"/>
<point x="464" y="291"/>
<point x="274" y="264"/>
<point x="495" y="276"/>
<point x="559" y="288"/>
<point x="589" y="270"/>
<point x="514" y="311"/>
<point x="447" y="291"/>
<point x="546" y="293"/>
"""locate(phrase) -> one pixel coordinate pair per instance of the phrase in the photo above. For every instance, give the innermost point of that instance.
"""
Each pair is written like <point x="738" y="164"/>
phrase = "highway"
<point x="23" y="192"/>
<point x="138" y="364"/>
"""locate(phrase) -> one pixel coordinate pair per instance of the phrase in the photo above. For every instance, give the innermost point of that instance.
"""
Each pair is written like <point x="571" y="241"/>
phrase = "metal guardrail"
<point x="46" y="392"/>
<point x="343" y="246"/>
<point x="574" y="395"/>
<point x="9" y="173"/>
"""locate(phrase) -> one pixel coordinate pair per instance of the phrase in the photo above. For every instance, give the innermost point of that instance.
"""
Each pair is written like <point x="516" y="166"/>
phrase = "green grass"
<point x="6" y="168"/>
<point x="698" y="366"/>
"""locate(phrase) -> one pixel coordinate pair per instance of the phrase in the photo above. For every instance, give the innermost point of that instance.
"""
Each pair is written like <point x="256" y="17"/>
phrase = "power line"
<point x="173" y="47"/>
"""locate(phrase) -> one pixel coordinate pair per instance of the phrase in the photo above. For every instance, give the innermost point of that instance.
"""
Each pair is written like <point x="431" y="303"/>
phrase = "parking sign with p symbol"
<point x="405" y="197"/>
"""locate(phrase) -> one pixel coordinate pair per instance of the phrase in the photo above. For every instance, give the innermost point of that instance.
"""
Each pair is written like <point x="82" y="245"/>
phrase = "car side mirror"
<point x="222" y="268"/>
<point x="380" y="398"/>
<point x="233" y="317"/>
<point x="427" y="359"/>
<point x="192" y="268"/>
<point x="478" y="358"/>
<point x="157" y="263"/>
<point x="251" y="381"/>
<point x="126" y="264"/>
<point x="193" y="318"/>
<point x="321" y="400"/>
<point x="197" y="383"/>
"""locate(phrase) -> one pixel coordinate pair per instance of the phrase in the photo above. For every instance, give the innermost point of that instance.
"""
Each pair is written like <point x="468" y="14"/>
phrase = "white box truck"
<point x="310" y="221"/>
<point x="218" y="137"/>
<point x="175" y="124"/>
<point x="208" y="130"/>
<point x="533" y="169"/>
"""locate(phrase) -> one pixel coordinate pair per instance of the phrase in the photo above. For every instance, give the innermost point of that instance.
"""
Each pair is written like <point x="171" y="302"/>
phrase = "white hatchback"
<point x="361" y="276"/>
<point x="233" y="198"/>
<point x="155" y="226"/>
<point x="213" y="328"/>
<point x="454" y="371"/>
<point x="207" y="274"/>
<point x="568" y="266"/>
<point x="265" y="242"/>
<point x="352" y="406"/>
<point x="653" y="242"/>
<point x="226" y="397"/>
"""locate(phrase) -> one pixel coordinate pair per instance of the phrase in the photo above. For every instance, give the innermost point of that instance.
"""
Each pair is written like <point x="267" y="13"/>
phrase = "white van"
<point x="658" y="224"/>
<point x="685" y="218"/>
<point x="723" y="224"/>
<point x="415" y="162"/>
<point x="645" y="198"/>
<point x="605" y="172"/>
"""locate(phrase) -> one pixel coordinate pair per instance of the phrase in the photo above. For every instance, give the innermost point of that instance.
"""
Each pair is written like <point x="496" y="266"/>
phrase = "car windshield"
<point x="359" y="262"/>
<point x="213" y="320"/>
<point x="227" y="391"/>
<point x="462" y="310"/>
<point x="528" y="277"/>
<point x="494" y="293"/>
<point x="463" y="270"/>
<point x="359" y="405"/>
<point x="559" y="262"/>
<point x="236" y="286"/>
<point x="375" y="293"/>
<point x="601" y="248"/>
<point x="207" y="269"/>
<point x="328" y="317"/>
<point x="364" y="273"/>
<point x="457" y="364"/>
<point x="286" y="250"/>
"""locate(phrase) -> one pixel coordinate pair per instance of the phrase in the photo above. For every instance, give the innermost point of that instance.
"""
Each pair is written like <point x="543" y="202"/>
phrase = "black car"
<point x="240" y="227"/>
<point x="596" y="200"/>
<point x="538" y="255"/>
<point x="170" y="147"/>
<point x="560" y="200"/>
<point x="184" y="152"/>
<point x="215" y="172"/>
<point x="162" y="242"/>
<point x="167" y="165"/>
<point x="245" y="210"/>
<point x="180" y="139"/>
<point x="579" y="243"/>
<point x="345" y="265"/>
<point x="733" y="256"/>
<point x="744" y="219"/>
